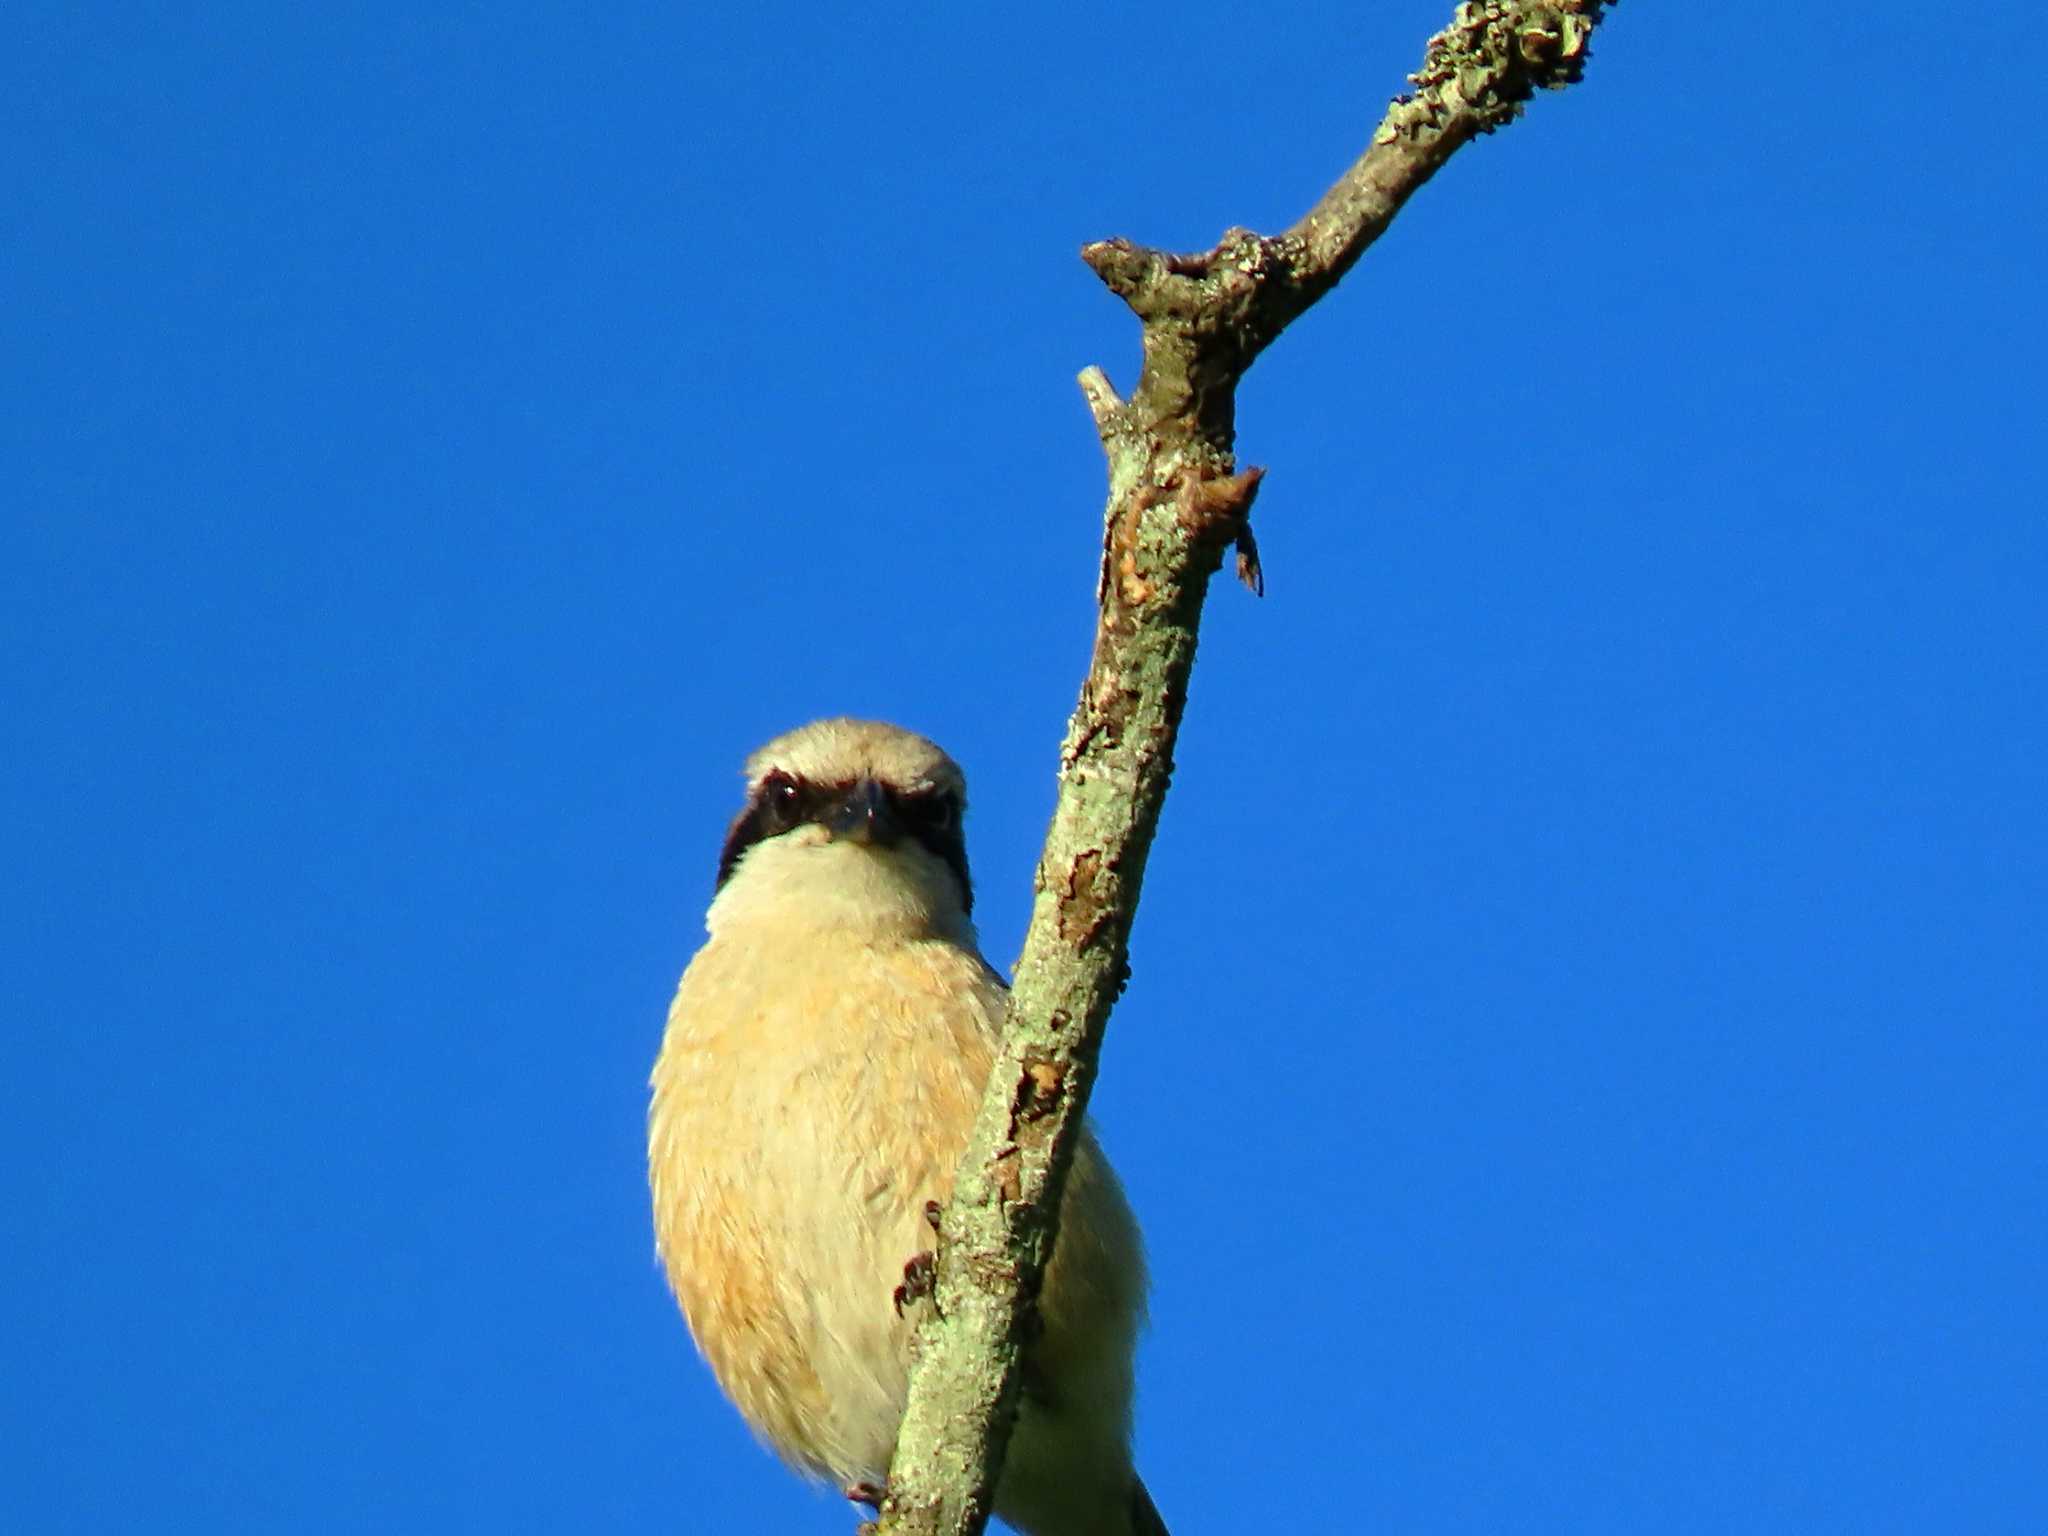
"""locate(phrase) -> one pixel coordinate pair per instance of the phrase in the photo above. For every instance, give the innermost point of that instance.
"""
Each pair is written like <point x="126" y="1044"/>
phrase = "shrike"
<point x="824" y="1057"/>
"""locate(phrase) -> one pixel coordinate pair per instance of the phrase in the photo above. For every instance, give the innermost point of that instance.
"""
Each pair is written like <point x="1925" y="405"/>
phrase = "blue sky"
<point x="1585" y="1066"/>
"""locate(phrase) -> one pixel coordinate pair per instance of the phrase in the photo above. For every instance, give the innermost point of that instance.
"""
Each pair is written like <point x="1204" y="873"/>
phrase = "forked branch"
<point x="1176" y="503"/>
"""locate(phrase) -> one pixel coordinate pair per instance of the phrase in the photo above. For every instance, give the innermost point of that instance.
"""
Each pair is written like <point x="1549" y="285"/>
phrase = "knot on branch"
<point x="1217" y="509"/>
<point x="1494" y="56"/>
<point x="1038" y="1090"/>
<point x="1213" y="509"/>
<point x="1210" y="509"/>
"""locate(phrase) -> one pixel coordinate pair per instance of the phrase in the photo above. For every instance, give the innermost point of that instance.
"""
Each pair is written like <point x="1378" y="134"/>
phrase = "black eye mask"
<point x="782" y="802"/>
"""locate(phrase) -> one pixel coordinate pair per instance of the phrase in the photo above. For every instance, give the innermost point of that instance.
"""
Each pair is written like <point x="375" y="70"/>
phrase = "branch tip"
<point x="1121" y="265"/>
<point x="1101" y="396"/>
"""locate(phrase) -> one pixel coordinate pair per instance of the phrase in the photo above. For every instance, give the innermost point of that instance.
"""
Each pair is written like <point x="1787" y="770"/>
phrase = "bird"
<point x="823" y="1060"/>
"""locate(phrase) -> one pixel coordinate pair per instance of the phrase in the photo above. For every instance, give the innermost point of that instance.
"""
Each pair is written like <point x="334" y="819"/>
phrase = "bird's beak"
<point x="865" y="816"/>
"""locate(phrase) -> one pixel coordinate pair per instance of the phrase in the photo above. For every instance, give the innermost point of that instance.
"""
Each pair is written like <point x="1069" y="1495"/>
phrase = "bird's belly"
<point x="791" y="1175"/>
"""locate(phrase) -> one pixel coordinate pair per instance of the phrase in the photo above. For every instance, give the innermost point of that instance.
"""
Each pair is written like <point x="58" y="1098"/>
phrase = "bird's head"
<point x="849" y="823"/>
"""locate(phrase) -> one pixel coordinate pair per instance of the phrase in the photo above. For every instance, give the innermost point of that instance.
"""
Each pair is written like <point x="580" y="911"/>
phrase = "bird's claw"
<point x="918" y="1277"/>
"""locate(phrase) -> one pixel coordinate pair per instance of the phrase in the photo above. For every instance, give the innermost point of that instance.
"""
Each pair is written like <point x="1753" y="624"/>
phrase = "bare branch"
<point x="1475" y="75"/>
<point x="1176" y="503"/>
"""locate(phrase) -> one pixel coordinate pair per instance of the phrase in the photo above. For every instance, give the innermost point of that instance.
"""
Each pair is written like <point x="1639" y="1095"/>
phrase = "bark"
<point x="1177" y="502"/>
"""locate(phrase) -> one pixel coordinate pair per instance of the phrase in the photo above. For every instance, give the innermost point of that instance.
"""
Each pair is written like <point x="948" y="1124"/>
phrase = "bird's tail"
<point x="1145" y="1519"/>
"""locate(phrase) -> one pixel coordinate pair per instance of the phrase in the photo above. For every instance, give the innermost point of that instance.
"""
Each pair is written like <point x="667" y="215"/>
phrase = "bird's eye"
<point x="934" y="810"/>
<point x="782" y="800"/>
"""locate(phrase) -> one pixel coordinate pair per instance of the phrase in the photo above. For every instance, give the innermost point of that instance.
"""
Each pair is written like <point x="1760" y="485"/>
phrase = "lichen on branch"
<point x="1176" y="503"/>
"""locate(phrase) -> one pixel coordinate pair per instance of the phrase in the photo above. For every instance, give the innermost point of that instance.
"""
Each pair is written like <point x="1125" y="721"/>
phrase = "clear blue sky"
<point x="1585" y="1069"/>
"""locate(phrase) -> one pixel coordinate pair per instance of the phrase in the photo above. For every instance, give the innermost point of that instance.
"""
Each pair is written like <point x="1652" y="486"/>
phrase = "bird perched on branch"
<point x="825" y="1056"/>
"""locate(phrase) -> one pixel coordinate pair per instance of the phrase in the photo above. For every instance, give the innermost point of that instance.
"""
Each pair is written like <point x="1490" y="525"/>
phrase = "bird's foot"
<point x="865" y="1492"/>
<point x="918" y="1278"/>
